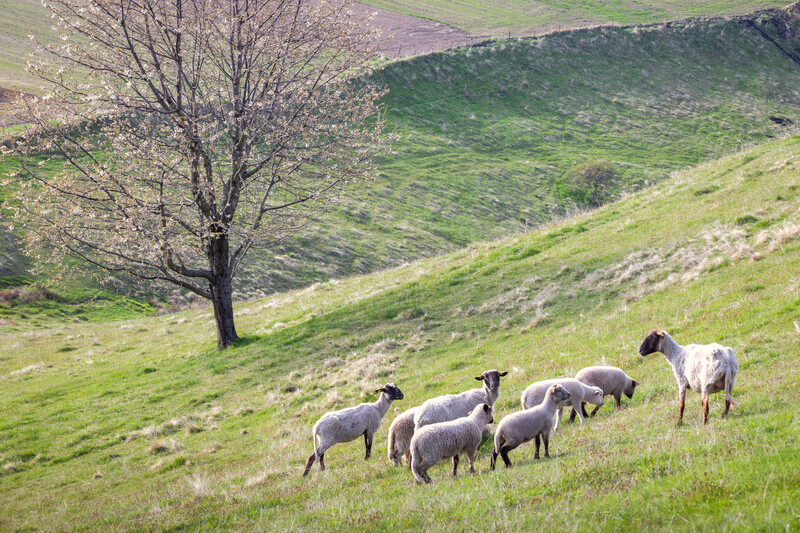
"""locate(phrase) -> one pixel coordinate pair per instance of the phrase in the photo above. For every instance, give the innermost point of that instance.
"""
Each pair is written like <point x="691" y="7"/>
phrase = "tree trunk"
<point x="222" y="291"/>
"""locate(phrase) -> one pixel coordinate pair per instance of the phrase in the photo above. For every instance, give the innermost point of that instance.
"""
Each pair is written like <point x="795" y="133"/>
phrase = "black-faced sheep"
<point x="522" y="426"/>
<point x="579" y="392"/>
<point x="703" y="368"/>
<point x="349" y="424"/>
<point x="453" y="406"/>
<point x="612" y="380"/>
<point x="435" y="442"/>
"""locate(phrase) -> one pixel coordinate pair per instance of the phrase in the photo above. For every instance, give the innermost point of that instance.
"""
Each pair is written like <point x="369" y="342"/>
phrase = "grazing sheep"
<point x="579" y="392"/>
<point x="453" y="406"/>
<point x="522" y="426"/>
<point x="400" y="433"/>
<point x="612" y="380"/>
<point x="349" y="424"/>
<point x="703" y="368"/>
<point x="435" y="442"/>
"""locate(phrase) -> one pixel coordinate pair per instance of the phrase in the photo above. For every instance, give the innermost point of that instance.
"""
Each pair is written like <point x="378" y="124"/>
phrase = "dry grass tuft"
<point x="192" y="428"/>
<point x="37" y="367"/>
<point x="200" y="486"/>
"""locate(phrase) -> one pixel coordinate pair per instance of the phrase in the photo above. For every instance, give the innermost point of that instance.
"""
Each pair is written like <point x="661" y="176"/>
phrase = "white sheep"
<point x="522" y="426"/>
<point x="349" y="424"/>
<point x="579" y="392"/>
<point x="612" y="380"/>
<point x="453" y="406"/>
<point x="400" y="433"/>
<point x="435" y="442"/>
<point x="703" y="368"/>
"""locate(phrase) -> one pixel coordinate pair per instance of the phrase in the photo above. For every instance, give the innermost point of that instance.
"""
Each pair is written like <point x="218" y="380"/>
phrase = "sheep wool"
<point x="349" y="424"/>
<point x="703" y="368"/>
<point x="579" y="392"/>
<point x="434" y="442"/>
<point x="453" y="406"/>
<point x="522" y="426"/>
<point x="400" y="433"/>
<point x="612" y="380"/>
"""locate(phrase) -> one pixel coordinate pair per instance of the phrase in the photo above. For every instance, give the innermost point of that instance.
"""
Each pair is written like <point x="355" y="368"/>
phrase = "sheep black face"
<point x="651" y="342"/>
<point x="392" y="391"/>
<point x="491" y="378"/>
<point x="488" y="408"/>
<point x="631" y="388"/>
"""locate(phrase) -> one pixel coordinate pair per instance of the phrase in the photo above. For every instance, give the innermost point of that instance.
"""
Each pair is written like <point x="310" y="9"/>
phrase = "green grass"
<point x="489" y="133"/>
<point x="498" y="19"/>
<point x="96" y="414"/>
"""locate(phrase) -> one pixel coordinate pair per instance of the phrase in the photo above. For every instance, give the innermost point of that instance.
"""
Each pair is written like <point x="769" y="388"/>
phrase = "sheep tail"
<point x="392" y="449"/>
<point x="415" y="465"/>
<point x="729" y="387"/>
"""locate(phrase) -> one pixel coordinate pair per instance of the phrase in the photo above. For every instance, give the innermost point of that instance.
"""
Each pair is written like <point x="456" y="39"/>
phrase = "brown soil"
<point x="412" y="35"/>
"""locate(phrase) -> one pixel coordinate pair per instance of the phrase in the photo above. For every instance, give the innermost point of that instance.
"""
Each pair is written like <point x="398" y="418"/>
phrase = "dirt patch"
<point x="412" y="35"/>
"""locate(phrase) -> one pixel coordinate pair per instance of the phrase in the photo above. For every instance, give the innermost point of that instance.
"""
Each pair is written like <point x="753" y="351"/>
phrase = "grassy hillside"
<point x="141" y="424"/>
<point x="490" y="134"/>
<point x="499" y="18"/>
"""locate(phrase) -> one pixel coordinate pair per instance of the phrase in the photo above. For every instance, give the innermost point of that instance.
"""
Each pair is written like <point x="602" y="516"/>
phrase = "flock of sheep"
<point x="449" y="425"/>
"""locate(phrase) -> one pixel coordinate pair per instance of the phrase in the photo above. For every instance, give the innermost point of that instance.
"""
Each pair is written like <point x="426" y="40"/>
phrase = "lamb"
<point x="535" y="392"/>
<point x="434" y="442"/>
<point x="612" y="380"/>
<point x="703" y="368"/>
<point x="522" y="426"/>
<point x="400" y="433"/>
<point x="349" y="424"/>
<point x="453" y="406"/>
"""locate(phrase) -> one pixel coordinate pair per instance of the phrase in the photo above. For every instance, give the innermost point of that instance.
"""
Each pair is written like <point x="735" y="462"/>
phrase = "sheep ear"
<point x="486" y="407"/>
<point x="380" y="390"/>
<point x="503" y="373"/>
<point x="660" y="333"/>
<point x="479" y="378"/>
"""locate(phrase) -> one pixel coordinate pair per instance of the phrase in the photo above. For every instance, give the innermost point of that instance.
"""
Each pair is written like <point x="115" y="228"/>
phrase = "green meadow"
<point x="140" y="423"/>
<point x="518" y="18"/>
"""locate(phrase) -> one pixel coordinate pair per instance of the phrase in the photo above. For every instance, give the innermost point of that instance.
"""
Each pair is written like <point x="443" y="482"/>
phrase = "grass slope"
<point x="489" y="133"/>
<point x="141" y="424"/>
<point x="500" y="18"/>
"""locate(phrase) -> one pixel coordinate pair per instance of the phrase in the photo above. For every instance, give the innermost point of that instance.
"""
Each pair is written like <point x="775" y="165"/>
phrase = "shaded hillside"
<point x="144" y="425"/>
<point x="491" y="135"/>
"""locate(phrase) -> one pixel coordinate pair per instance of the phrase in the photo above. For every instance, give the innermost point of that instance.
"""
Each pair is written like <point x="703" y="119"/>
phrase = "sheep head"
<point x="392" y="391"/>
<point x="651" y="343"/>
<point x="491" y="379"/>
<point x="559" y="393"/>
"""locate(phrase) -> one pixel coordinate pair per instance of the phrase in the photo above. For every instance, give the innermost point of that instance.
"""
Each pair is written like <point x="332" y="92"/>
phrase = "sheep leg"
<point x="581" y="415"/>
<point x="367" y="444"/>
<point x="727" y="408"/>
<point x="471" y="457"/>
<point x="504" y="454"/>
<point x="455" y="465"/>
<point x="536" y="455"/>
<point x="546" y="439"/>
<point x="309" y="463"/>
<point x="408" y="458"/>
<point x="705" y="408"/>
<point x="682" y="396"/>
<point x="572" y="416"/>
<point x="559" y="411"/>
<point x="618" y="398"/>
<point x="594" y="412"/>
